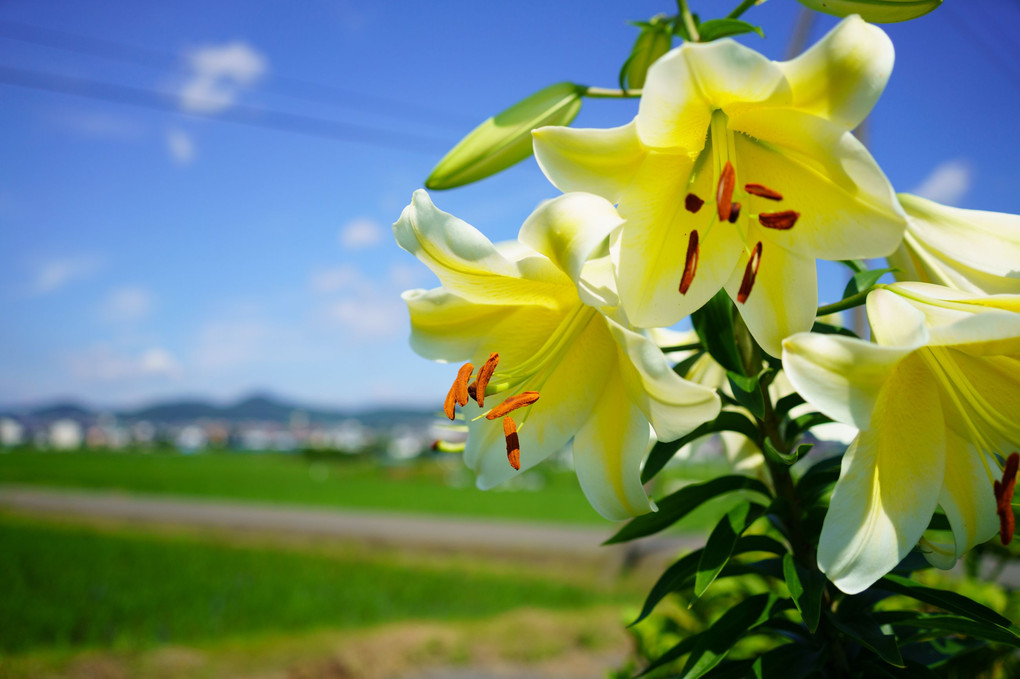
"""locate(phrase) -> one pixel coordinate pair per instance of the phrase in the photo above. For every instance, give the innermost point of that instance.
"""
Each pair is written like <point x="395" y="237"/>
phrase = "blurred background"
<point x="214" y="441"/>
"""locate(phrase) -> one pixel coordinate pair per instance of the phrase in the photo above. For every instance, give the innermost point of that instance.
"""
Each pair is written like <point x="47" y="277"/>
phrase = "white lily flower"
<point x="739" y="172"/>
<point x="535" y="316"/>
<point x="936" y="399"/>
<point x="970" y="250"/>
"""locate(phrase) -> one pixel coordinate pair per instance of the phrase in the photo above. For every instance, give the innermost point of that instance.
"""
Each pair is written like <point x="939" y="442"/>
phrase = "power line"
<point x="238" y="114"/>
<point x="280" y="84"/>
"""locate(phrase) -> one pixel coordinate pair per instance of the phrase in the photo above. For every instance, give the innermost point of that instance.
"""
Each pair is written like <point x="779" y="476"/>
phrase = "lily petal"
<point x="842" y="75"/>
<point x="608" y="452"/>
<point x="841" y="376"/>
<point x="967" y="496"/>
<point x="688" y="83"/>
<point x="889" y="483"/>
<point x="599" y="161"/>
<point x="568" y="229"/>
<point x="673" y="405"/>
<point x="894" y="321"/>
<point x="468" y="264"/>
<point x="970" y="249"/>
<point x="784" y="297"/>
<point x="846" y="205"/>
<point x="651" y="250"/>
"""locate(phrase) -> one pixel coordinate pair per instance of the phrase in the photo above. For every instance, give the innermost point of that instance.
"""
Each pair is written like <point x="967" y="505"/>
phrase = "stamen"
<point x="734" y="213"/>
<point x="1004" y="498"/>
<point x="762" y="191"/>
<point x="724" y="191"/>
<point x="778" y="220"/>
<point x="691" y="263"/>
<point x="513" y="443"/>
<point x="525" y="398"/>
<point x="484" y="375"/>
<point x="750" y="273"/>
<point x="459" y="391"/>
<point x="473" y="390"/>
<point x="693" y="203"/>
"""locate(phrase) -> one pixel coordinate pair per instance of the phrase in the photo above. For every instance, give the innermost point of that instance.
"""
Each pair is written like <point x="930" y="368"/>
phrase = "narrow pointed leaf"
<point x="784" y="405"/>
<point x="747" y="393"/>
<point x="868" y="634"/>
<point x="677" y="505"/>
<point x="777" y="456"/>
<point x="875" y="11"/>
<point x="863" y="280"/>
<point x="715" y="642"/>
<point x="816" y="480"/>
<point x="720" y="544"/>
<point x="806" y="587"/>
<point x="948" y="601"/>
<point x="714" y="325"/>
<point x="950" y="624"/>
<point x="722" y="28"/>
<point x="662" y="452"/>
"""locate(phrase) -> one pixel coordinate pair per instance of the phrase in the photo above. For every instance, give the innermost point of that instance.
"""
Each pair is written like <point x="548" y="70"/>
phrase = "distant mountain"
<point x="255" y="408"/>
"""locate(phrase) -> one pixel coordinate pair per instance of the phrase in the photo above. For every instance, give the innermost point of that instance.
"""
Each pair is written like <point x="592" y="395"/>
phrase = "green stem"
<point x="608" y="93"/>
<point x="685" y="14"/>
<point x="681" y="347"/>
<point x="848" y="303"/>
<point x="741" y="8"/>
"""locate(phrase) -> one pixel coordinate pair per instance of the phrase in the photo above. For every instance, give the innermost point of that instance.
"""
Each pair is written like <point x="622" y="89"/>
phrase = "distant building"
<point x="191" y="438"/>
<point x="65" y="435"/>
<point x="11" y="432"/>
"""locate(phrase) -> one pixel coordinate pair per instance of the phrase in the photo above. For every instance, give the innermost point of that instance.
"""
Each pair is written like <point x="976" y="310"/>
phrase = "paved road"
<point x="426" y="531"/>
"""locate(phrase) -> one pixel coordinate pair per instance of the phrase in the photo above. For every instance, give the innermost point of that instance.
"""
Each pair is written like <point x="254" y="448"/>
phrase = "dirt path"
<point x="407" y="530"/>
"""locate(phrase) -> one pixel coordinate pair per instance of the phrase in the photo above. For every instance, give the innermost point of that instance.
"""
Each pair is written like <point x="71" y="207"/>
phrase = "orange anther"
<point x="724" y="191"/>
<point x="778" y="220"/>
<point x="762" y="191"/>
<point x="693" y="203"/>
<point x="525" y="398"/>
<point x="459" y="391"/>
<point x="690" y="263"/>
<point x="750" y="273"/>
<point x="484" y="375"/>
<point x="734" y="213"/>
<point x="1004" y="498"/>
<point x="513" y="443"/>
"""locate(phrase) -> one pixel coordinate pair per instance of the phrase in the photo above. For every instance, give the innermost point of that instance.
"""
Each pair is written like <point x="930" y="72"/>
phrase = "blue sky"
<point x="148" y="253"/>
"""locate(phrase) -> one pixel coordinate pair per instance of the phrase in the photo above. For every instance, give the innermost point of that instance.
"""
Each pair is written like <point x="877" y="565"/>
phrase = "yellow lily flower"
<point x="935" y="397"/>
<point x="557" y="360"/>
<point x="739" y="172"/>
<point x="970" y="250"/>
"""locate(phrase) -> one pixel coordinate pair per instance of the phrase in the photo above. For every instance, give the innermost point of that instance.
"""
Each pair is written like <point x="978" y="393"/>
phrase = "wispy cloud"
<point x="127" y="304"/>
<point x="337" y="278"/>
<point x="361" y="233"/>
<point x="54" y="274"/>
<point x="102" y="363"/>
<point x="948" y="183"/>
<point x="99" y="125"/>
<point x="218" y="74"/>
<point x="181" y="146"/>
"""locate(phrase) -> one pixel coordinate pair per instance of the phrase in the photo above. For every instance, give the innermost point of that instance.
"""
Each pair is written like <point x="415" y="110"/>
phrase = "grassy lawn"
<point x="72" y="587"/>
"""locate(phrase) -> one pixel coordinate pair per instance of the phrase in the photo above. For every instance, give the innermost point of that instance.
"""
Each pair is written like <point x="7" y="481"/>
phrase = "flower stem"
<point x="681" y="347"/>
<point x="685" y="15"/>
<point x="848" y="303"/>
<point x="741" y="8"/>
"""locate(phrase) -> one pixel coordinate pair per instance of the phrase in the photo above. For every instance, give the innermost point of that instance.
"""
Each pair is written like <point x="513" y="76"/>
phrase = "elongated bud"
<point x="875" y="11"/>
<point x="654" y="41"/>
<point x="505" y="139"/>
<point x="513" y="443"/>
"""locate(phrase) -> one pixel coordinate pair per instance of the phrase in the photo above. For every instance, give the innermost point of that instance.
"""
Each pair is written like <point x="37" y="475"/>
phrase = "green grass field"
<point x="72" y="587"/>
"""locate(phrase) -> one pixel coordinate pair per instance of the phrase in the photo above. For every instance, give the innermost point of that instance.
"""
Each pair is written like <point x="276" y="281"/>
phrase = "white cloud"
<point x="947" y="183"/>
<point x="361" y="233"/>
<point x="218" y="73"/>
<point x="102" y="364"/>
<point x="181" y="146"/>
<point x="337" y="278"/>
<point x="54" y="274"/>
<point x="99" y="125"/>
<point x="126" y="304"/>
<point x="369" y="318"/>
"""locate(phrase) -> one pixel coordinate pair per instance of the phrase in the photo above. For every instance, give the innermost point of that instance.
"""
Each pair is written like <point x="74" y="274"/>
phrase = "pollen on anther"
<point x="458" y="394"/>
<point x="1004" y="498"/>
<point x="724" y="191"/>
<point x="484" y="375"/>
<point x="513" y="443"/>
<point x="734" y="213"/>
<point x="778" y="220"/>
<point x="693" y="203"/>
<point x="690" y="263"/>
<point x="762" y="191"/>
<point x="750" y="273"/>
<point x="525" y="398"/>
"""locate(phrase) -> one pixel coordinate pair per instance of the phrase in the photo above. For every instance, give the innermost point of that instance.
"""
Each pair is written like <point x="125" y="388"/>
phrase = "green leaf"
<point x="829" y="329"/>
<point x="794" y="428"/>
<point x="866" y="632"/>
<point x="875" y="11"/>
<point x="777" y="456"/>
<point x="684" y="366"/>
<point x="505" y="139"/>
<point x="654" y="40"/>
<point x="714" y="325"/>
<point x="806" y="586"/>
<point x="863" y="280"/>
<point x="722" y="28"/>
<point x="818" y="478"/>
<point x="663" y="452"/>
<point x="677" y="505"/>
<point x="950" y="624"/>
<point x="720" y="544"/>
<point x="715" y="642"/>
<point x="789" y="661"/>
<point x="784" y="405"/>
<point x="747" y="393"/>
<point x="948" y="601"/>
